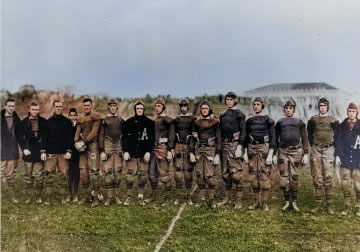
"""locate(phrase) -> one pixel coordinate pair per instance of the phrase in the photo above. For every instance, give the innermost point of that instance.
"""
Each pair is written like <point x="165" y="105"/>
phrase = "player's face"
<point x="289" y="111"/>
<point x="257" y="107"/>
<point x="73" y="116"/>
<point x="230" y="102"/>
<point x="351" y="113"/>
<point x="159" y="108"/>
<point x="87" y="106"/>
<point x="183" y="108"/>
<point x="205" y="110"/>
<point x="113" y="108"/>
<point x="10" y="107"/>
<point x="139" y="110"/>
<point x="323" y="108"/>
<point x="34" y="110"/>
<point x="58" y="108"/>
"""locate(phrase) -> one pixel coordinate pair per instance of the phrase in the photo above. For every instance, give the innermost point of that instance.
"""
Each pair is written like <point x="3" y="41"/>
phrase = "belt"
<point x="323" y="145"/>
<point x="227" y="140"/>
<point x="156" y="144"/>
<point x="181" y="142"/>
<point x="205" y="145"/>
<point x="260" y="141"/>
<point x="291" y="147"/>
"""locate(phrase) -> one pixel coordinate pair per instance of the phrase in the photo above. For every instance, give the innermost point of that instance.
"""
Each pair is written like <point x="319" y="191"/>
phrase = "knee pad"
<point x="191" y="169"/>
<point x="201" y="182"/>
<point x="129" y="179"/>
<point x="179" y="176"/>
<point x="165" y="178"/>
<point x="227" y="178"/>
<point x="177" y="169"/>
<point x="109" y="180"/>
<point x="357" y="186"/>
<point x="284" y="181"/>
<point x="211" y="182"/>
<point x="293" y="185"/>
<point x="142" y="180"/>
<point x="237" y="177"/>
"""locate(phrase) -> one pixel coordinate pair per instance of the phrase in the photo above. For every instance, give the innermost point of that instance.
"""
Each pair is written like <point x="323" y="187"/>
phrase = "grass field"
<point x="134" y="228"/>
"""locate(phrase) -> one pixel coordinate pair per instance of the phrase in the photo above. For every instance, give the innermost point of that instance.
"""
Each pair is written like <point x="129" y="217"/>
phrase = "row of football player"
<point x="196" y="144"/>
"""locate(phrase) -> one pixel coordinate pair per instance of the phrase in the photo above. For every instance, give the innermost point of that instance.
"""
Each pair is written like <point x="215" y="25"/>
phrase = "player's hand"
<point x="169" y="156"/>
<point x="305" y="159"/>
<point x="126" y="156"/>
<point x="67" y="155"/>
<point x="26" y="152"/>
<point x="217" y="159"/>
<point x="192" y="158"/>
<point x="80" y="145"/>
<point x="238" y="151"/>
<point x="337" y="161"/>
<point x="245" y="156"/>
<point x="147" y="157"/>
<point x="274" y="160"/>
<point x="269" y="159"/>
<point x="103" y="156"/>
<point x="43" y="156"/>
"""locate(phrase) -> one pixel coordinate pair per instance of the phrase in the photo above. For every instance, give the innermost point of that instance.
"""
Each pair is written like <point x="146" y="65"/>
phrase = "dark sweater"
<point x="60" y="137"/>
<point x="9" y="144"/>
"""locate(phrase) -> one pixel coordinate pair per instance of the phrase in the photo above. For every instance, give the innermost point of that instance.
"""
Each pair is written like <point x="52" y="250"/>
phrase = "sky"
<point x="182" y="48"/>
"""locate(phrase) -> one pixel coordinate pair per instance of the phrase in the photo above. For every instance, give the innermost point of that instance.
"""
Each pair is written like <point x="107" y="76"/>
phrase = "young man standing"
<point x="10" y="122"/>
<point x="138" y="142"/>
<point x="111" y="132"/>
<point x="205" y="148"/>
<point x="159" y="170"/>
<point x="322" y="129"/>
<point x="347" y="151"/>
<point x="86" y="141"/>
<point x="183" y="125"/>
<point x="32" y="140"/>
<point x="59" y="149"/>
<point x="259" y="150"/>
<point x="292" y="145"/>
<point x="74" y="172"/>
<point x="233" y="134"/>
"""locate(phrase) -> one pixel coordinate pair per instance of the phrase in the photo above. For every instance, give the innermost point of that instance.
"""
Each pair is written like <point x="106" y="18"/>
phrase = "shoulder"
<point x="95" y="116"/>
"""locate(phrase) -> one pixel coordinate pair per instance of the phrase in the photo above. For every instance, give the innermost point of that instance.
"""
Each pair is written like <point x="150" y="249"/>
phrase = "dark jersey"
<point x="183" y="128"/>
<point x="291" y="132"/>
<point x="232" y="125"/>
<point x="9" y="144"/>
<point x="60" y="138"/>
<point x="164" y="128"/>
<point x="138" y="136"/>
<point x="208" y="131"/>
<point x="348" y="145"/>
<point x="260" y="129"/>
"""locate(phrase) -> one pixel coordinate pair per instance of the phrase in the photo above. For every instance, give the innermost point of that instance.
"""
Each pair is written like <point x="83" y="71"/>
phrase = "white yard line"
<point x="171" y="227"/>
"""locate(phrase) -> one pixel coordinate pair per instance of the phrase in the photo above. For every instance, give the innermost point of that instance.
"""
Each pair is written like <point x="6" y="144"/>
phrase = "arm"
<point x="94" y="131"/>
<point x="310" y="130"/>
<point x="102" y="136"/>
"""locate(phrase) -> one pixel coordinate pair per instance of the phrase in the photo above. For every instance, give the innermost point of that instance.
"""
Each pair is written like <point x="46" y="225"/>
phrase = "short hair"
<point x="87" y="100"/>
<point x="34" y="103"/>
<point x="73" y="110"/>
<point x="9" y="100"/>
<point x="55" y="102"/>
